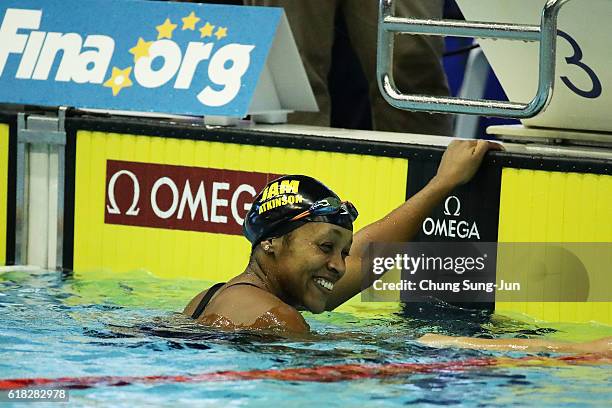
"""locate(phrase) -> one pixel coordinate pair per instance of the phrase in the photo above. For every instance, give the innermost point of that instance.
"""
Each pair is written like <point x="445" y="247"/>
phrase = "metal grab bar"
<point x="546" y="34"/>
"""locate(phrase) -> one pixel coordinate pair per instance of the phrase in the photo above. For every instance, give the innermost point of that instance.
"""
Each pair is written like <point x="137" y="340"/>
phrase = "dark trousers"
<point x="417" y="59"/>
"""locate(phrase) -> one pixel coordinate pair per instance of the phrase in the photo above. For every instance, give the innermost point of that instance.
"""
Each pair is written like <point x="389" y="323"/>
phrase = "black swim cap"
<point x="290" y="202"/>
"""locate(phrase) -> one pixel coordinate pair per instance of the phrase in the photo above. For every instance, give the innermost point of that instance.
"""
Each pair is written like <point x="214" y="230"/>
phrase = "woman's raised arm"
<point x="459" y="163"/>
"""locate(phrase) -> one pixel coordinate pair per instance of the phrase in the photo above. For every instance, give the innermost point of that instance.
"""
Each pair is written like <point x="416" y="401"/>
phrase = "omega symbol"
<point x="113" y="208"/>
<point x="446" y="205"/>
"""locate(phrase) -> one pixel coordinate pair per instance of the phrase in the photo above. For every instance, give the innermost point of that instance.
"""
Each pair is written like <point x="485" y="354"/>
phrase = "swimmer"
<point x="304" y="255"/>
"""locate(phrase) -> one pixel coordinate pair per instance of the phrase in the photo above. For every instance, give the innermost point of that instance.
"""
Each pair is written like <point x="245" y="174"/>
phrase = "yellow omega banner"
<point x="4" y="152"/>
<point x="159" y="239"/>
<point x="543" y="206"/>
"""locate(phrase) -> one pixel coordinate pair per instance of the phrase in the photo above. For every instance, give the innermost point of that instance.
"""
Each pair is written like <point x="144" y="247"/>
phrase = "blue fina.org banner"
<point x="135" y="55"/>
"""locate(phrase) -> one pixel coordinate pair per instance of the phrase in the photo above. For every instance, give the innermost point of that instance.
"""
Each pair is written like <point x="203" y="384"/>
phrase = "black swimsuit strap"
<point x="204" y="302"/>
<point x="211" y="292"/>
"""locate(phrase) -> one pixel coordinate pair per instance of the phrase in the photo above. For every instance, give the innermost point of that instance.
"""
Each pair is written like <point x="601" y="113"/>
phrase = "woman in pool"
<point x="304" y="255"/>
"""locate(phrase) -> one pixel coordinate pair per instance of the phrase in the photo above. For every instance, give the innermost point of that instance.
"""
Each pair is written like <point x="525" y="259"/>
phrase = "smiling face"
<point x="309" y="261"/>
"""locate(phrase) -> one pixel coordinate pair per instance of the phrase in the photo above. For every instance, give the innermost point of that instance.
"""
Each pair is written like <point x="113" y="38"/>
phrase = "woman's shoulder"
<point x="193" y="303"/>
<point x="248" y="306"/>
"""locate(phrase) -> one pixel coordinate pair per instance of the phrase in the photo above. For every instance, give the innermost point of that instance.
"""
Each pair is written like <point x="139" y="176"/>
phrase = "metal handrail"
<point x="545" y="33"/>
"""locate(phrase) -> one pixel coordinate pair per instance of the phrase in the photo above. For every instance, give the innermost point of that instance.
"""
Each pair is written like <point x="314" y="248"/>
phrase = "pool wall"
<point x="115" y="165"/>
<point x="557" y="206"/>
<point x="7" y="187"/>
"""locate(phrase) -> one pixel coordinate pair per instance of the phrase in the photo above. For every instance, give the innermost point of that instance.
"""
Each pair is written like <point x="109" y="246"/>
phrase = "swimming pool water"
<point x="55" y="325"/>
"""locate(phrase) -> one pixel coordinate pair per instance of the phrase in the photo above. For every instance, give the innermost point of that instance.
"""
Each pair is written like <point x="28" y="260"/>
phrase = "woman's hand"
<point x="461" y="160"/>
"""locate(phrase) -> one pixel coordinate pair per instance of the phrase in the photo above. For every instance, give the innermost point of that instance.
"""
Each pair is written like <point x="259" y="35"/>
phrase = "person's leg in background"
<point x="348" y="87"/>
<point x="312" y="24"/>
<point x="417" y="64"/>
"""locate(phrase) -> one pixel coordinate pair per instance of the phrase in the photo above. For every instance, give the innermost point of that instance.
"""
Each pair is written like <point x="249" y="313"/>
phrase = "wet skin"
<point x="312" y="252"/>
<point x="288" y="277"/>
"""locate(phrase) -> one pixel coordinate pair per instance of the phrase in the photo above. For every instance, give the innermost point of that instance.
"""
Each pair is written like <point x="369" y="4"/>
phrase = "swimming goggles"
<point x="329" y="206"/>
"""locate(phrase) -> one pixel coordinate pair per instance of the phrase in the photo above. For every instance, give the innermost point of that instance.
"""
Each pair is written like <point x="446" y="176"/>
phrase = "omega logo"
<point x="451" y="228"/>
<point x="113" y="208"/>
<point x="182" y="200"/>
<point x="458" y="208"/>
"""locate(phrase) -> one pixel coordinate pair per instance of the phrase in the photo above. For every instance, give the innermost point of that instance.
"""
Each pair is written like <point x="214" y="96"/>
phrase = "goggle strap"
<point x="301" y="215"/>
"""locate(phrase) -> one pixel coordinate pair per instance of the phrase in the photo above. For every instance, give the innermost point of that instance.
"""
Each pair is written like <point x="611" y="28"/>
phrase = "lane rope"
<point x="325" y="373"/>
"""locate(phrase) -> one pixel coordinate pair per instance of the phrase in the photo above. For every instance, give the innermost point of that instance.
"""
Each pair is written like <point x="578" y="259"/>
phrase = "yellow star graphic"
<point x="119" y="79"/>
<point x="221" y="32"/>
<point x="207" y="30"/>
<point x="190" y="21"/>
<point x="141" y="49"/>
<point x="165" y="30"/>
